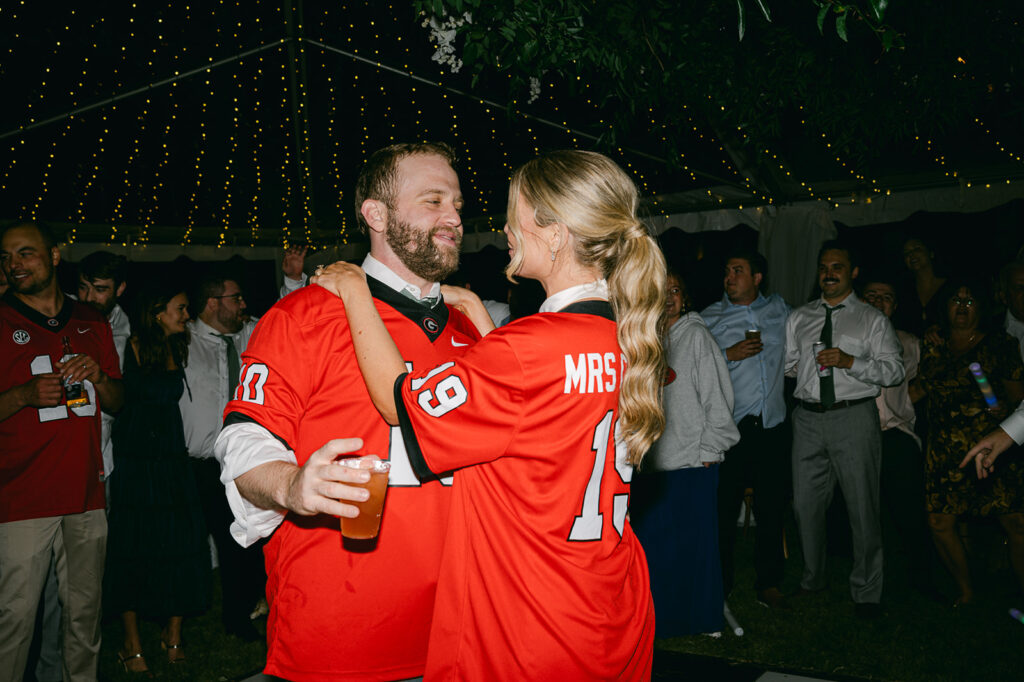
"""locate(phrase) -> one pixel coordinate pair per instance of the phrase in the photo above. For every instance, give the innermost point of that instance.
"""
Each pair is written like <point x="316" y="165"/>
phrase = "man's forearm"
<point x="10" y="402"/>
<point x="266" y="485"/>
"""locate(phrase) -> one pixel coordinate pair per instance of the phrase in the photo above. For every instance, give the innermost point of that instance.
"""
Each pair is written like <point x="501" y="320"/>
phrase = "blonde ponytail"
<point x="637" y="292"/>
<point x="597" y="202"/>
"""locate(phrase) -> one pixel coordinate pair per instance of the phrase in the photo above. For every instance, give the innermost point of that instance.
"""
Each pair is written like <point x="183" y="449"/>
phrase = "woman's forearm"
<point x="378" y="357"/>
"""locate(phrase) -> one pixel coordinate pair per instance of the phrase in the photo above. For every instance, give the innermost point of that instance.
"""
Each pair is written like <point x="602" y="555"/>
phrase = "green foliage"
<point x="874" y="20"/>
<point x="649" y="66"/>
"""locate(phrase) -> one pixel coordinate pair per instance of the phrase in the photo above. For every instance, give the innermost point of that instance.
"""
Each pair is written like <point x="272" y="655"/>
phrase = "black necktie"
<point x="233" y="367"/>
<point x="826" y="385"/>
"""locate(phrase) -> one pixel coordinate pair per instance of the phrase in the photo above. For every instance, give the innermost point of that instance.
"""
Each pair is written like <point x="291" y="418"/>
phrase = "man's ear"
<point x="54" y="256"/>
<point x="120" y="290"/>
<point x="854" y="273"/>
<point x="375" y="213"/>
<point x="758" y="277"/>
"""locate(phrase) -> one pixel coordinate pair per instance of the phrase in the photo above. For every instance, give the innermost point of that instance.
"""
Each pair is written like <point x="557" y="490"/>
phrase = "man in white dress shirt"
<point x="902" y="460"/>
<point x="1011" y="282"/>
<point x="836" y="431"/>
<point x="102" y="280"/>
<point x="219" y="335"/>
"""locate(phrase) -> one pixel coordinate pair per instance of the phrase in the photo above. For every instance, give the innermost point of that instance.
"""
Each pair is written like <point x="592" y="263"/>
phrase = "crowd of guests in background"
<point x="173" y="375"/>
<point x="874" y="388"/>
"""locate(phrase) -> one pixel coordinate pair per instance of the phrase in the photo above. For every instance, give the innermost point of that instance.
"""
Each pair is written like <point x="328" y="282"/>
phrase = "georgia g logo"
<point x="430" y="324"/>
<point x="21" y="337"/>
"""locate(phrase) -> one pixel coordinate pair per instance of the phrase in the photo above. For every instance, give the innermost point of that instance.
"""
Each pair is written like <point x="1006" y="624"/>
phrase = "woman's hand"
<point x="470" y="305"/>
<point x="340" y="278"/>
<point x="459" y="297"/>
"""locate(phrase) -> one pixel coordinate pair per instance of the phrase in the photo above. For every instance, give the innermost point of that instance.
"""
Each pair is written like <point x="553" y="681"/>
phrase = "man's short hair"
<point x="878" y="277"/>
<point x="377" y="178"/>
<point x="841" y="245"/>
<point x="209" y="286"/>
<point x="45" y="231"/>
<point x="757" y="262"/>
<point x="104" y="265"/>
<point x="1007" y="272"/>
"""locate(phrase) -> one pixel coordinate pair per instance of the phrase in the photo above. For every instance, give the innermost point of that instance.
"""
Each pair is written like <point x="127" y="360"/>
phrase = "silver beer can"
<point x="822" y="370"/>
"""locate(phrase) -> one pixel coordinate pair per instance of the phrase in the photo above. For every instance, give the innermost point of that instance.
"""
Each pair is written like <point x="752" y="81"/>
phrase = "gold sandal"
<point x="169" y="648"/>
<point x="125" y="659"/>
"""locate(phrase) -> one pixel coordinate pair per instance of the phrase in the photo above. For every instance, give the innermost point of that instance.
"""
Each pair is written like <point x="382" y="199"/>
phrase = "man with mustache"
<point x="837" y="436"/>
<point x="343" y="611"/>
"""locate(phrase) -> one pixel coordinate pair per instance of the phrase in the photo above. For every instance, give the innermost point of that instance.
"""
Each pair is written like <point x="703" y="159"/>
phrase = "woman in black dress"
<point x="158" y="560"/>
<point x="922" y="309"/>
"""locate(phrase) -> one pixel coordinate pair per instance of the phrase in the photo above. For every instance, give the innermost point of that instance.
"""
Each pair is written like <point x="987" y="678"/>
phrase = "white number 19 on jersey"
<point x="587" y="527"/>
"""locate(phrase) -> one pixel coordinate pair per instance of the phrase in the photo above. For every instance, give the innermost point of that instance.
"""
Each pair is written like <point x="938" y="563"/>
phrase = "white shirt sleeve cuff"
<point x="291" y="285"/>
<point x="240" y="448"/>
<point x="1014" y="425"/>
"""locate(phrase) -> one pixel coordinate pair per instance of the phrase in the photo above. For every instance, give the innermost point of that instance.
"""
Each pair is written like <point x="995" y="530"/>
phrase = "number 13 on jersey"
<point x="589" y="524"/>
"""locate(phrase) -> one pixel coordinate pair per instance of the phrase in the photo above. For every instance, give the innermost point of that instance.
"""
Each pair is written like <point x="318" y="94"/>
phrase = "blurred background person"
<point x="958" y="416"/>
<point x="158" y="559"/>
<point x="216" y="340"/>
<point x="902" y="460"/>
<point x="102" y="280"/>
<point x="750" y="329"/>
<point x="673" y="506"/>
<point x="925" y="294"/>
<point x="1011" y="291"/>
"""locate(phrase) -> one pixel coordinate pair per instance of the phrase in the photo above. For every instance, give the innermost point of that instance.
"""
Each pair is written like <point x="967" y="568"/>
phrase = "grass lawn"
<point x="212" y="655"/>
<point x="916" y="640"/>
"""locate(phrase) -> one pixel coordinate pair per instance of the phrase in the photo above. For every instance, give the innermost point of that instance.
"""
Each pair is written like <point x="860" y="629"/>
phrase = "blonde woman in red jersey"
<point x="543" y="421"/>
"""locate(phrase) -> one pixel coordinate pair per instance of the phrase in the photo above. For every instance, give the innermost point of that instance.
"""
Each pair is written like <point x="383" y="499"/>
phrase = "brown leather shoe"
<point x="773" y="599"/>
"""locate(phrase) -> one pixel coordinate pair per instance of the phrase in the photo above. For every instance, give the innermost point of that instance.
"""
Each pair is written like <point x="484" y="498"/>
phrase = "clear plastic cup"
<point x="367" y="524"/>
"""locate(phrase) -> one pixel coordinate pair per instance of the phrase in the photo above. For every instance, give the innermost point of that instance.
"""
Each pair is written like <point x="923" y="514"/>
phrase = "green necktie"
<point x="827" y="389"/>
<point x="233" y="367"/>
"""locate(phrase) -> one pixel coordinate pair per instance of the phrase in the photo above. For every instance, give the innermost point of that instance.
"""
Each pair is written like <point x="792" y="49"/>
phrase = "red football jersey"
<point x="52" y="461"/>
<point x="358" y="611"/>
<point x="542" y="576"/>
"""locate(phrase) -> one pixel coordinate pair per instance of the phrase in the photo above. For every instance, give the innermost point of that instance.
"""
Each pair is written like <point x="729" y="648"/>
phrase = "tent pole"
<point x="297" y="87"/>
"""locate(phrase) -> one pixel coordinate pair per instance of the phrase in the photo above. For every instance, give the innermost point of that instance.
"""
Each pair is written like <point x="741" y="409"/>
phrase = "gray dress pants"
<point x="839" y="446"/>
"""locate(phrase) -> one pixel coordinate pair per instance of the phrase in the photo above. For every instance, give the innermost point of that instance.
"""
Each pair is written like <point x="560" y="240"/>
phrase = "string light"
<point x="999" y="145"/>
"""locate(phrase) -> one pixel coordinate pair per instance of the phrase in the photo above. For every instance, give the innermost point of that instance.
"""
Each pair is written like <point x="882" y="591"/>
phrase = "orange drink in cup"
<point x="367" y="524"/>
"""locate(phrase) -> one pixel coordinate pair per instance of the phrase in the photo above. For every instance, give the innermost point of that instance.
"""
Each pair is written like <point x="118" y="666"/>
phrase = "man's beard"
<point x="30" y="286"/>
<point x="104" y="308"/>
<point x="418" y="251"/>
<point x="232" y="322"/>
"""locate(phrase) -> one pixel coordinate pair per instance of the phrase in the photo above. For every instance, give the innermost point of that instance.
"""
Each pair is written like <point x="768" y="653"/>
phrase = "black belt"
<point x="837" y="405"/>
<point x="752" y="420"/>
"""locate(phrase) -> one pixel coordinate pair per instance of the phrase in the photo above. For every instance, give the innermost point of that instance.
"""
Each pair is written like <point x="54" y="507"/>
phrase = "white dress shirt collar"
<point x="566" y="297"/>
<point x="851" y="298"/>
<point x="1014" y="327"/>
<point x="382" y="273"/>
<point x="203" y="329"/>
